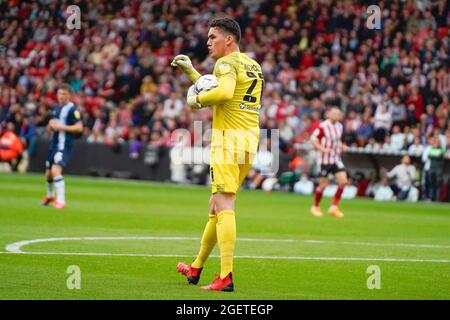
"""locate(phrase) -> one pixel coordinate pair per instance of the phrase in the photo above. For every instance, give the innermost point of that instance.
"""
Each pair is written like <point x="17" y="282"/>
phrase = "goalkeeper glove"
<point x="185" y="64"/>
<point x="192" y="99"/>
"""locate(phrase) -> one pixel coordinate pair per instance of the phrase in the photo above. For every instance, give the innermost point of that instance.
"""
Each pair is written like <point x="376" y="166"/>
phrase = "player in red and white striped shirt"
<point x="327" y="139"/>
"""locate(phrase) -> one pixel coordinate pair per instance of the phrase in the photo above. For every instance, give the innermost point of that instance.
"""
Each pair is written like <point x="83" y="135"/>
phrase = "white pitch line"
<point x="236" y="257"/>
<point x="381" y="244"/>
<point x="16" y="247"/>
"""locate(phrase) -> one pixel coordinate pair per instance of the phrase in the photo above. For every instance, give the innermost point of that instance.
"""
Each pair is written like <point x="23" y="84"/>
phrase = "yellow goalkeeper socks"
<point x="209" y="240"/>
<point x="226" y="237"/>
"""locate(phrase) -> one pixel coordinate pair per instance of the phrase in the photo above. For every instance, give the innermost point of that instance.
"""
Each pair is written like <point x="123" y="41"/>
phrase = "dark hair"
<point x="66" y="87"/>
<point x="334" y="107"/>
<point x="227" y="25"/>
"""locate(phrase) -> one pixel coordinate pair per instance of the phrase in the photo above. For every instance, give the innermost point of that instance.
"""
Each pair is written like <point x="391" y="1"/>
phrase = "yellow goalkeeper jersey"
<point x="236" y="121"/>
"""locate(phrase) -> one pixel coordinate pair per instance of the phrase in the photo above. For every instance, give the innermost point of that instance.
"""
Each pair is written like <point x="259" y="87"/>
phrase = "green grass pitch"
<point x="282" y="252"/>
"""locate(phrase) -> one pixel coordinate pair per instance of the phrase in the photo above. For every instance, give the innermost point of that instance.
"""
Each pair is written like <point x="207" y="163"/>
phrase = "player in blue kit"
<point x="65" y="123"/>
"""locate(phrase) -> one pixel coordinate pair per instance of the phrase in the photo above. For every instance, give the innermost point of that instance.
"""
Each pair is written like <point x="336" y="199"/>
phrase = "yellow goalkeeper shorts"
<point x="228" y="169"/>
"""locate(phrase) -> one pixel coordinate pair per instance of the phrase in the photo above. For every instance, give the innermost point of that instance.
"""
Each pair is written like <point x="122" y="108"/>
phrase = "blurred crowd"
<point x="393" y="84"/>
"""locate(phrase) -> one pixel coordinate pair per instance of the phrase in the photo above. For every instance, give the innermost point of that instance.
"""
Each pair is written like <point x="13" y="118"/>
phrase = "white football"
<point x="205" y="83"/>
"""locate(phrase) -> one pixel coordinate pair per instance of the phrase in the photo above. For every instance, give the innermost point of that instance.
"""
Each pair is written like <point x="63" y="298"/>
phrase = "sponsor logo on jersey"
<point x="251" y="67"/>
<point x="244" y="106"/>
<point x="224" y="68"/>
<point x="58" y="157"/>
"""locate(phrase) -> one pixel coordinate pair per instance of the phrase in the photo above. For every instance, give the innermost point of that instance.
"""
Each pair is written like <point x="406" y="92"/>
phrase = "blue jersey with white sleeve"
<point x="62" y="142"/>
<point x="67" y="115"/>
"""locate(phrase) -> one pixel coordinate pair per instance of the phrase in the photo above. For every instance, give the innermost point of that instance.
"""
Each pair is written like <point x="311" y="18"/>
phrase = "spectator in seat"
<point x="404" y="174"/>
<point x="352" y="124"/>
<point x="398" y="111"/>
<point x="382" y="122"/>
<point x="10" y="146"/>
<point x="415" y="104"/>
<point x="416" y="149"/>
<point x="365" y="131"/>
<point x="384" y="192"/>
<point x="397" y="139"/>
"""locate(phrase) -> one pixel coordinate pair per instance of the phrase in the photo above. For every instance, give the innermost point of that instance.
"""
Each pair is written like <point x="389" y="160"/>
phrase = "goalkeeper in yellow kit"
<point x="235" y="102"/>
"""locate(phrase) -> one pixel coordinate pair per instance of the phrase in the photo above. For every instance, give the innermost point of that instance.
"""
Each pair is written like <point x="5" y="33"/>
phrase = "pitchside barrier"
<point x="154" y="163"/>
<point x="115" y="161"/>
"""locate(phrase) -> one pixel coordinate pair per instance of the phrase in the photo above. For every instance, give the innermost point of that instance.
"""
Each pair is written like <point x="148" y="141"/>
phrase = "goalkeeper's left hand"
<point x="192" y="99"/>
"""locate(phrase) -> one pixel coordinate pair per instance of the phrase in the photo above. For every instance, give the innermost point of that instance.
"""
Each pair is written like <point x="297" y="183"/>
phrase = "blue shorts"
<point x="59" y="157"/>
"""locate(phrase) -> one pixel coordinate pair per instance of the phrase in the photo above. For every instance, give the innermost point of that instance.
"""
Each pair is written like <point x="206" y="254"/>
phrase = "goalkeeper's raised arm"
<point x="182" y="61"/>
<point x="223" y="92"/>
